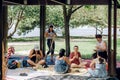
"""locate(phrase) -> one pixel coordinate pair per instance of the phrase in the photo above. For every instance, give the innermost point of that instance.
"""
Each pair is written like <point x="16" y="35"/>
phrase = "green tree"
<point x="95" y="16"/>
<point x="54" y="15"/>
<point x="27" y="18"/>
<point x="15" y="15"/>
<point x="67" y="13"/>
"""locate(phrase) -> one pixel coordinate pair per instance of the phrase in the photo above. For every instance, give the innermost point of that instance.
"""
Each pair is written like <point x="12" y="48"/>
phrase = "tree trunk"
<point x="67" y="35"/>
<point x="19" y="18"/>
<point x="101" y="31"/>
<point x="96" y="30"/>
<point x="5" y="25"/>
<point x="42" y="28"/>
<point x="1" y="32"/>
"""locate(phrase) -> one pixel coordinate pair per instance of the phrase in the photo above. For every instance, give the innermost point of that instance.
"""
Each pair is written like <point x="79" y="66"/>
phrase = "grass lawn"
<point x="86" y="46"/>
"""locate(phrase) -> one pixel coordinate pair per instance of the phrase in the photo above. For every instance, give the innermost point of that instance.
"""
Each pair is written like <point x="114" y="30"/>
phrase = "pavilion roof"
<point x="56" y="2"/>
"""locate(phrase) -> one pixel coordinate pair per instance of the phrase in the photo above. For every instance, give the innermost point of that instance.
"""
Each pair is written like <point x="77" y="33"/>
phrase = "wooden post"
<point x="42" y="28"/>
<point x="5" y="25"/>
<point x="67" y="35"/>
<point x="1" y="29"/>
<point x="109" y="37"/>
<point x="114" y="39"/>
<point x="67" y="39"/>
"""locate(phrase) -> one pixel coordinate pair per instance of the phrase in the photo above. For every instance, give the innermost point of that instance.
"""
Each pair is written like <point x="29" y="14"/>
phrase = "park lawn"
<point x="86" y="46"/>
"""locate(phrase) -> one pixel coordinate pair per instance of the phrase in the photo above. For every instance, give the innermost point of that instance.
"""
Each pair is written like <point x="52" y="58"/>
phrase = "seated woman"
<point x="36" y="58"/>
<point x="62" y="63"/>
<point x="101" y="46"/>
<point x="75" y="59"/>
<point x="98" y="67"/>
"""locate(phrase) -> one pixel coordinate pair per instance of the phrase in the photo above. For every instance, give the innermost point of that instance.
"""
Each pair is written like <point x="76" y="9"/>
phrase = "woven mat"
<point x="49" y="74"/>
<point x="74" y="71"/>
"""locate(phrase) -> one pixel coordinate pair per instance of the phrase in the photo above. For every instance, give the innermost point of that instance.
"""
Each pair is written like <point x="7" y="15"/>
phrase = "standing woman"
<point x="50" y="35"/>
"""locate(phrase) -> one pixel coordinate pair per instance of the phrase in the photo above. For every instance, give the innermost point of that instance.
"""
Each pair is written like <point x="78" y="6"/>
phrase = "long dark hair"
<point x="51" y="26"/>
<point x="98" y="36"/>
<point x="101" y="60"/>
<point x="94" y="55"/>
<point x="61" y="53"/>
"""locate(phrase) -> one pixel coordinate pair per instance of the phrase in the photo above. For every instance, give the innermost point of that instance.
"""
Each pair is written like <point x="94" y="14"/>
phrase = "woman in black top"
<point x="36" y="57"/>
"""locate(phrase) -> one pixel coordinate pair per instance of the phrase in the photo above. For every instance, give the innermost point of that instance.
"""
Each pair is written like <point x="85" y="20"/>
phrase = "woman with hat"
<point x="36" y="58"/>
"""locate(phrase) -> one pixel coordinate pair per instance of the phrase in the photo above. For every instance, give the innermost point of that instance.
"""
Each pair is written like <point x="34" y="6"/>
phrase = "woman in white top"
<point x="101" y="46"/>
<point x="50" y="35"/>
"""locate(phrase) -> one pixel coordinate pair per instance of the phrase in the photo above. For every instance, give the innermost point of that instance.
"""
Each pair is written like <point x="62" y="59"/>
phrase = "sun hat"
<point x="36" y="47"/>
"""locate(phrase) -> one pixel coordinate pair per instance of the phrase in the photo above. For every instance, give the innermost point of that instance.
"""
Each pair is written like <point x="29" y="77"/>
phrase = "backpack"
<point x="12" y="65"/>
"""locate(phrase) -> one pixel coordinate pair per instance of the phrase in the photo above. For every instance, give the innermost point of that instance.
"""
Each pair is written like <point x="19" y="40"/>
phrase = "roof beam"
<point x="10" y="3"/>
<point x="13" y="2"/>
<point x="57" y="2"/>
<point x="90" y="2"/>
<point x="61" y="2"/>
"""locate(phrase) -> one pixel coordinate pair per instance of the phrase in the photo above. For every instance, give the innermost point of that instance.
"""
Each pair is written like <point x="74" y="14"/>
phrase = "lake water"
<point x="80" y="31"/>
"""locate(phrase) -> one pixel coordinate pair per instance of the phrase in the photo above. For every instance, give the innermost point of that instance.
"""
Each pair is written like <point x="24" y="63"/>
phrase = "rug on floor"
<point x="60" y="77"/>
<point x="65" y="77"/>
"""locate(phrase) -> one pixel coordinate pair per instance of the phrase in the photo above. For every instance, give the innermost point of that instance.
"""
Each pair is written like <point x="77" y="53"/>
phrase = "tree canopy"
<point x="26" y="18"/>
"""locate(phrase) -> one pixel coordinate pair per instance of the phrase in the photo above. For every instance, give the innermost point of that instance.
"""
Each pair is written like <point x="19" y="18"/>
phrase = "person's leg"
<point x="73" y="65"/>
<point x="48" y="44"/>
<point x="41" y="62"/>
<point x="31" y="62"/>
<point x="48" y="52"/>
<point x="105" y="55"/>
<point x="52" y="55"/>
<point x="52" y="51"/>
<point x="82" y="65"/>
